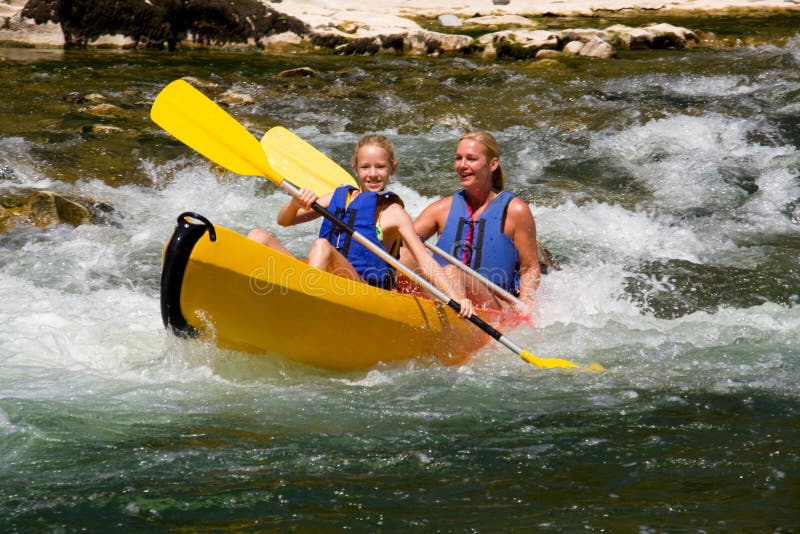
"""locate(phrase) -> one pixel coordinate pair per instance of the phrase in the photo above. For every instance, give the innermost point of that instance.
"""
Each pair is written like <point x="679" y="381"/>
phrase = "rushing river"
<point x="667" y="183"/>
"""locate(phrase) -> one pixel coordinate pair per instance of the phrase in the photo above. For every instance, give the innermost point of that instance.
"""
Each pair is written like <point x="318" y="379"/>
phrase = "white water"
<point x="79" y="306"/>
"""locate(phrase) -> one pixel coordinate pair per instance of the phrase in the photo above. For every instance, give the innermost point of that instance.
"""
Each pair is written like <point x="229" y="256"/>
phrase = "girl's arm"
<point x="396" y="217"/>
<point x="298" y="209"/>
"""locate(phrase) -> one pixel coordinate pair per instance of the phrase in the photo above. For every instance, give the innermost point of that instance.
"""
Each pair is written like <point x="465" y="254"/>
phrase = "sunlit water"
<point x="668" y="184"/>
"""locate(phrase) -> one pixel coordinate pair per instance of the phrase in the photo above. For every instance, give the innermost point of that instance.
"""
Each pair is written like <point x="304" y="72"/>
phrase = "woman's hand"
<point x="466" y="308"/>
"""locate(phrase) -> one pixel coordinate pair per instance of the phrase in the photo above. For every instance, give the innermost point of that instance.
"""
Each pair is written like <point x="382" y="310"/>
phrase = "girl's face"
<point x="472" y="164"/>
<point x="373" y="168"/>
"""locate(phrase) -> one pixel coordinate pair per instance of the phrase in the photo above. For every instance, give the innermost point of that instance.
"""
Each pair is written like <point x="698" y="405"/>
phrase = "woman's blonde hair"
<point x="492" y="149"/>
<point x="377" y="140"/>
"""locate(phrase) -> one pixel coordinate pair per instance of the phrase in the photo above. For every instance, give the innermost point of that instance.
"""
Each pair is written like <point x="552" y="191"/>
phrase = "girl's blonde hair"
<point x="377" y="140"/>
<point x="492" y="149"/>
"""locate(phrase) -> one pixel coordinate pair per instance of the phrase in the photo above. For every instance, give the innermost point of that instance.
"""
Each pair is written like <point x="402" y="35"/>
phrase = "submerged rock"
<point x="47" y="208"/>
<point x="298" y="72"/>
<point x="547" y="262"/>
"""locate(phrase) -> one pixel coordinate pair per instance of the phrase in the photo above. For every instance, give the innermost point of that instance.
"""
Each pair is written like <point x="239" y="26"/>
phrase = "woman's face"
<point x="472" y="164"/>
<point x="373" y="168"/>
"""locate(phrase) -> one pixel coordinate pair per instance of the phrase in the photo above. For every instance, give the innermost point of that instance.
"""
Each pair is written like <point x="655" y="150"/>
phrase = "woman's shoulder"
<point x="518" y="211"/>
<point x="443" y="204"/>
<point x="518" y="204"/>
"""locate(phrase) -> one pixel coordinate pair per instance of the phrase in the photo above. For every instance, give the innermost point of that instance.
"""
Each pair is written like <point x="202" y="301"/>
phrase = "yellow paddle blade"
<point x="554" y="363"/>
<point x="199" y="123"/>
<point x="301" y="163"/>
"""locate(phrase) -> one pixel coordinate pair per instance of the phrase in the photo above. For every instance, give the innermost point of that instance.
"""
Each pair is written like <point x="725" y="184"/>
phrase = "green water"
<point x="667" y="183"/>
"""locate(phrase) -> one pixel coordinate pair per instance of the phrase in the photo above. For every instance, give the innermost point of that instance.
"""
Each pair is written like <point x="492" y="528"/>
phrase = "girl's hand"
<point x="305" y="199"/>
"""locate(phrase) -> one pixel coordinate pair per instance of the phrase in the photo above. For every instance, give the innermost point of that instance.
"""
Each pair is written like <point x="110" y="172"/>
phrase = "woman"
<point x="487" y="228"/>
<point x="376" y="214"/>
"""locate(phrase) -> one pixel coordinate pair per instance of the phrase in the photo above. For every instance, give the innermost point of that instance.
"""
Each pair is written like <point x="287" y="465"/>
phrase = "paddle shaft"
<point x="391" y="260"/>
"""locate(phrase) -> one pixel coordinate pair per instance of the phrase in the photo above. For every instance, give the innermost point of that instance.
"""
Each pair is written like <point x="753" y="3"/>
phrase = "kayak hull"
<point x="245" y="296"/>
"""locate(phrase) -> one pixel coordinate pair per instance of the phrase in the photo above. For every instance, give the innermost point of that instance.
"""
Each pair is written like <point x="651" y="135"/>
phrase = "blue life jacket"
<point x="361" y="216"/>
<point x="491" y="252"/>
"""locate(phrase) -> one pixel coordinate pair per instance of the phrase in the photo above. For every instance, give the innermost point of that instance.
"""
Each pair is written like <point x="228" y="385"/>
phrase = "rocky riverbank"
<point x="519" y="29"/>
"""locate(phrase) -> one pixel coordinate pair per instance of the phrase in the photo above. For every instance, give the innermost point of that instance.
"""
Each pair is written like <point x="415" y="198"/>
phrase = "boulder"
<point x="627" y="38"/>
<point x="519" y="44"/>
<point x="46" y="208"/>
<point x="573" y="48"/>
<point x="583" y="35"/>
<point x="669" y="36"/>
<point x="597" y="48"/>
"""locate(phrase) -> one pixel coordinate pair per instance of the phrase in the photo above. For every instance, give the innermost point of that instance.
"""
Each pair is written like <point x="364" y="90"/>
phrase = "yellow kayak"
<point x="217" y="284"/>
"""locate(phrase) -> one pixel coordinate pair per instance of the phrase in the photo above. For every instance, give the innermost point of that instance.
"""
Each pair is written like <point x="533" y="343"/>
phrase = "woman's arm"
<point x="520" y="226"/>
<point x="432" y="218"/>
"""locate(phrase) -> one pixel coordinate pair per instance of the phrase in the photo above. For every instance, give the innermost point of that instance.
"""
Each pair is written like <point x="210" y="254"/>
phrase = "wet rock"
<point x="109" y="111"/>
<point x="233" y="98"/>
<point x="200" y="83"/>
<point x="298" y="72"/>
<point x="74" y="98"/>
<point x="547" y="262"/>
<point x="101" y="129"/>
<point x="95" y="98"/>
<point x="48" y="208"/>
